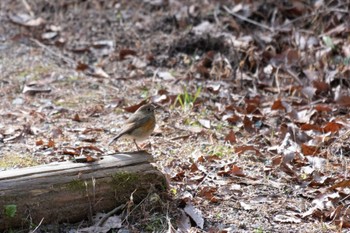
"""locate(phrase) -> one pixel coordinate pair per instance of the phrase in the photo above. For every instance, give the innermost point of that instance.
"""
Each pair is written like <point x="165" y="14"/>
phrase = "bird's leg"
<point x="138" y="148"/>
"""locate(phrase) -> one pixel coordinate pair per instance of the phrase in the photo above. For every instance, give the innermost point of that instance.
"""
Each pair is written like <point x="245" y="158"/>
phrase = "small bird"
<point x="139" y="126"/>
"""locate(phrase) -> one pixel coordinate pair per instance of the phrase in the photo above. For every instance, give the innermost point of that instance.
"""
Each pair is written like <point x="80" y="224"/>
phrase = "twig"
<point x="143" y="200"/>
<point x="64" y="58"/>
<point x="294" y="75"/>
<point x="298" y="19"/>
<point x="216" y="11"/>
<point x="170" y="226"/>
<point x="90" y="213"/>
<point x="277" y="80"/>
<point x="179" y="137"/>
<point x="109" y="214"/>
<point x="248" y="20"/>
<point x="28" y="8"/>
<point x="37" y="227"/>
<point x="311" y="15"/>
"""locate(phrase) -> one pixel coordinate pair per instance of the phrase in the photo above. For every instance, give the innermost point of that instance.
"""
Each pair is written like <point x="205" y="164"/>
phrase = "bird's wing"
<point x="134" y="118"/>
<point x="136" y="123"/>
<point x="131" y="124"/>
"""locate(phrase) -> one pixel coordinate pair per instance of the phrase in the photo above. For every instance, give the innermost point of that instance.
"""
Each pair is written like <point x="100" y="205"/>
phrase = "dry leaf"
<point x="310" y="150"/>
<point x="195" y="214"/>
<point x="205" y="123"/>
<point x="123" y="53"/>
<point x="332" y="127"/>
<point x="231" y="137"/>
<point x="51" y="143"/>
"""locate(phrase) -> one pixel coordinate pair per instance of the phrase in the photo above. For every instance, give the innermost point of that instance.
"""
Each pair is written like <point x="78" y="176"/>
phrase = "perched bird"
<point x="139" y="126"/>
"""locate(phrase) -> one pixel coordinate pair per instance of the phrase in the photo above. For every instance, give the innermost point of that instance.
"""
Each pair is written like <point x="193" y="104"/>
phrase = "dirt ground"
<point x="253" y="129"/>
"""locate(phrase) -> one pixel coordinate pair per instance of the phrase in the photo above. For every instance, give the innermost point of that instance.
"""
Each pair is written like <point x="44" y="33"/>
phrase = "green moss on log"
<point x="77" y="185"/>
<point x="124" y="179"/>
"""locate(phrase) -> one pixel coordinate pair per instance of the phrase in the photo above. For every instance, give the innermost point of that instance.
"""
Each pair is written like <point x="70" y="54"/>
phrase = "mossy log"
<point x="70" y="192"/>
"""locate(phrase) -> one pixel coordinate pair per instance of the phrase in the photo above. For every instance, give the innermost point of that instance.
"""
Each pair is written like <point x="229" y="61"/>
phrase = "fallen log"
<point x="70" y="192"/>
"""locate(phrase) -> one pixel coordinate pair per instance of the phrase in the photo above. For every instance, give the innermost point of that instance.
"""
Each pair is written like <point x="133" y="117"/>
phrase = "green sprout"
<point x="187" y="100"/>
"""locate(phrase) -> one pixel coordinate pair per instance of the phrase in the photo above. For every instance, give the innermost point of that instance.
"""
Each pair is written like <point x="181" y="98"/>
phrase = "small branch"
<point x="131" y="201"/>
<point x="294" y="75"/>
<point x="28" y="8"/>
<point x="248" y="20"/>
<point x="109" y="214"/>
<point x="64" y="58"/>
<point x="37" y="227"/>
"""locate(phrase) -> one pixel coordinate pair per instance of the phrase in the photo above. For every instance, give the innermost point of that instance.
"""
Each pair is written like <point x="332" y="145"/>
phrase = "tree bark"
<point x="71" y="192"/>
